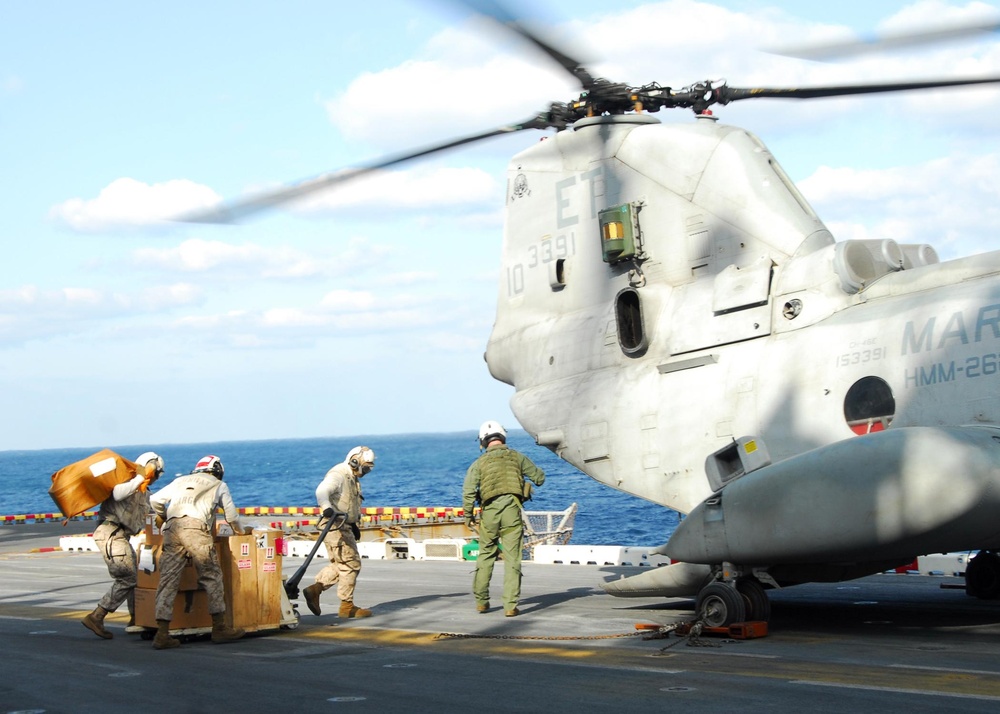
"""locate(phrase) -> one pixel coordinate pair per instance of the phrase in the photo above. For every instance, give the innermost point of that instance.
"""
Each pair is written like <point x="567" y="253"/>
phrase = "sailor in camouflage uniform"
<point x="188" y="505"/>
<point x="497" y="481"/>
<point x="121" y="516"/>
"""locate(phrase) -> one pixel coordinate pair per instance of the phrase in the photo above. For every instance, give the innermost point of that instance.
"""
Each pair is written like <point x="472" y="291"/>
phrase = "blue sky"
<point x="367" y="309"/>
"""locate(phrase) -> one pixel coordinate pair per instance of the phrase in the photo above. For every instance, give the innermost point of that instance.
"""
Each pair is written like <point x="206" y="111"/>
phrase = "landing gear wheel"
<point x="982" y="576"/>
<point x="720" y="605"/>
<point x="758" y="605"/>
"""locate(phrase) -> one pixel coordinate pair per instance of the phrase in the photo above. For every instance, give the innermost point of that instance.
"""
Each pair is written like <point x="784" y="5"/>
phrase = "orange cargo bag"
<point x="90" y="481"/>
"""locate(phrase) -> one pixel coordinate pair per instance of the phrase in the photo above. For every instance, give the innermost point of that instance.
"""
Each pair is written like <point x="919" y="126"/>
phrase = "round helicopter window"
<point x="869" y="405"/>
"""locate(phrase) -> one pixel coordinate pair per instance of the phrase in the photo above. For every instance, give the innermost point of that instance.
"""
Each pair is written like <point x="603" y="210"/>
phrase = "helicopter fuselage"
<point x="807" y="402"/>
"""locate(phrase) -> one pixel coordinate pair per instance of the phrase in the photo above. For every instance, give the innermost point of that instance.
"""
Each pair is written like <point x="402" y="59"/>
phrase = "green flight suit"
<point x="496" y="480"/>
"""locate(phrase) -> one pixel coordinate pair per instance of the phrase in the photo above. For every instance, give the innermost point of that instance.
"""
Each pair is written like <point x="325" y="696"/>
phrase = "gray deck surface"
<point x="885" y="643"/>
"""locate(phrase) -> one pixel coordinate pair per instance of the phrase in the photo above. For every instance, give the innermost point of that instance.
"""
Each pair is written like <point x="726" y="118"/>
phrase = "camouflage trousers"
<point x="345" y="563"/>
<point x="183" y="538"/>
<point x="112" y="540"/>
<point x="500" y="524"/>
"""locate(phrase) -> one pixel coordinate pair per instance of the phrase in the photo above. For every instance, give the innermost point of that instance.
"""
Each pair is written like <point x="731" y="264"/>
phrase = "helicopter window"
<point x="628" y="313"/>
<point x="869" y="405"/>
<point x="557" y="274"/>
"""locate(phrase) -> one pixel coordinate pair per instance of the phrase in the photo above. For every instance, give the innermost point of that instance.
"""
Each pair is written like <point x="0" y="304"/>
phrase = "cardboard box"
<point x="150" y="578"/>
<point x="153" y="534"/>
<point x="190" y="609"/>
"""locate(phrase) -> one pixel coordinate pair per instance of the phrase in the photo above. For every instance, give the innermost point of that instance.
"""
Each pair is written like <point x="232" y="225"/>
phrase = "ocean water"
<point x="411" y="470"/>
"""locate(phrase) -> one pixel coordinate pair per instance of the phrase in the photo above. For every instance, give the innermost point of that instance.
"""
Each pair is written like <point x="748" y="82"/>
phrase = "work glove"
<point x="471" y="521"/>
<point x="159" y="523"/>
<point x="328" y="513"/>
<point x="149" y="477"/>
<point x="248" y="530"/>
<point x="356" y="531"/>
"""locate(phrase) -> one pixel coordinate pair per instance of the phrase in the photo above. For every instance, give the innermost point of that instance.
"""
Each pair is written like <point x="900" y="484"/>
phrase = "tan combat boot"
<point x="163" y="640"/>
<point x="347" y="609"/>
<point x="95" y="623"/>
<point x="222" y="634"/>
<point x="311" y="594"/>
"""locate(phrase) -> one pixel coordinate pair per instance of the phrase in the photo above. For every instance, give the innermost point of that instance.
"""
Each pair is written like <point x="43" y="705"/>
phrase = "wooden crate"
<point x="251" y="575"/>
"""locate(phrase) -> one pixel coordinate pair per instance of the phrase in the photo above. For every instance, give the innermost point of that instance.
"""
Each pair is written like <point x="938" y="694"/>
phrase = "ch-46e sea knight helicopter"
<point x="679" y="324"/>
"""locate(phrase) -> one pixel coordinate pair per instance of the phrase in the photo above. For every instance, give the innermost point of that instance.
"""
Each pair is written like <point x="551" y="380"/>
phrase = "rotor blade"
<point x="234" y="211"/>
<point x="889" y="41"/>
<point x="731" y="94"/>
<point x="499" y="12"/>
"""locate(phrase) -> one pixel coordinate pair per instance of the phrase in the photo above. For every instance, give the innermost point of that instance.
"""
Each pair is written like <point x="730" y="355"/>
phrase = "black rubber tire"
<point x="758" y="605"/>
<point x="720" y="605"/>
<point x="982" y="576"/>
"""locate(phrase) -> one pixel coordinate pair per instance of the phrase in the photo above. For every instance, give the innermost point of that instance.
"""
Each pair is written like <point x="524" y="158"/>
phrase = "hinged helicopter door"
<point x="731" y="307"/>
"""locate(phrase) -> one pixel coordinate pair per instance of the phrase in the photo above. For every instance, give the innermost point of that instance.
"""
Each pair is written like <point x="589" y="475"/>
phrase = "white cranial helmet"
<point x="151" y="457"/>
<point x="361" y="458"/>
<point x="491" y="430"/>
<point x="210" y="464"/>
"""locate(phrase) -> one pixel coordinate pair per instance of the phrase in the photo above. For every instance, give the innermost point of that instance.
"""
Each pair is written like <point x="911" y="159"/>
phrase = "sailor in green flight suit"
<point x="496" y="481"/>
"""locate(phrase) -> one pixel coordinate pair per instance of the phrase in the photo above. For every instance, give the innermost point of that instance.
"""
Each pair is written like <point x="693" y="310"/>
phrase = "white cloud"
<point x="401" y="318"/>
<point x="29" y="313"/>
<point x="93" y="302"/>
<point x="933" y="14"/>
<point x="344" y="300"/>
<point x="948" y="203"/>
<point x="460" y="85"/>
<point x="223" y="259"/>
<point x="128" y="203"/>
<point x="445" y="97"/>
<point x="417" y="190"/>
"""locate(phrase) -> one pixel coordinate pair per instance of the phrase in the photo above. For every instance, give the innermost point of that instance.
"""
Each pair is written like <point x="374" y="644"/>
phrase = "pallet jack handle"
<point x="292" y="584"/>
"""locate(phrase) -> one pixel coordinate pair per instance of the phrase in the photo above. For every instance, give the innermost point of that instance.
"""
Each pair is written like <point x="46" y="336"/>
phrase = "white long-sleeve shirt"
<point x="197" y="495"/>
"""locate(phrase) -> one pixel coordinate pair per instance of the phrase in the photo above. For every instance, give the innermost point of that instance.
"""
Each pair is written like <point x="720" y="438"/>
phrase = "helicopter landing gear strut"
<point x="721" y="603"/>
